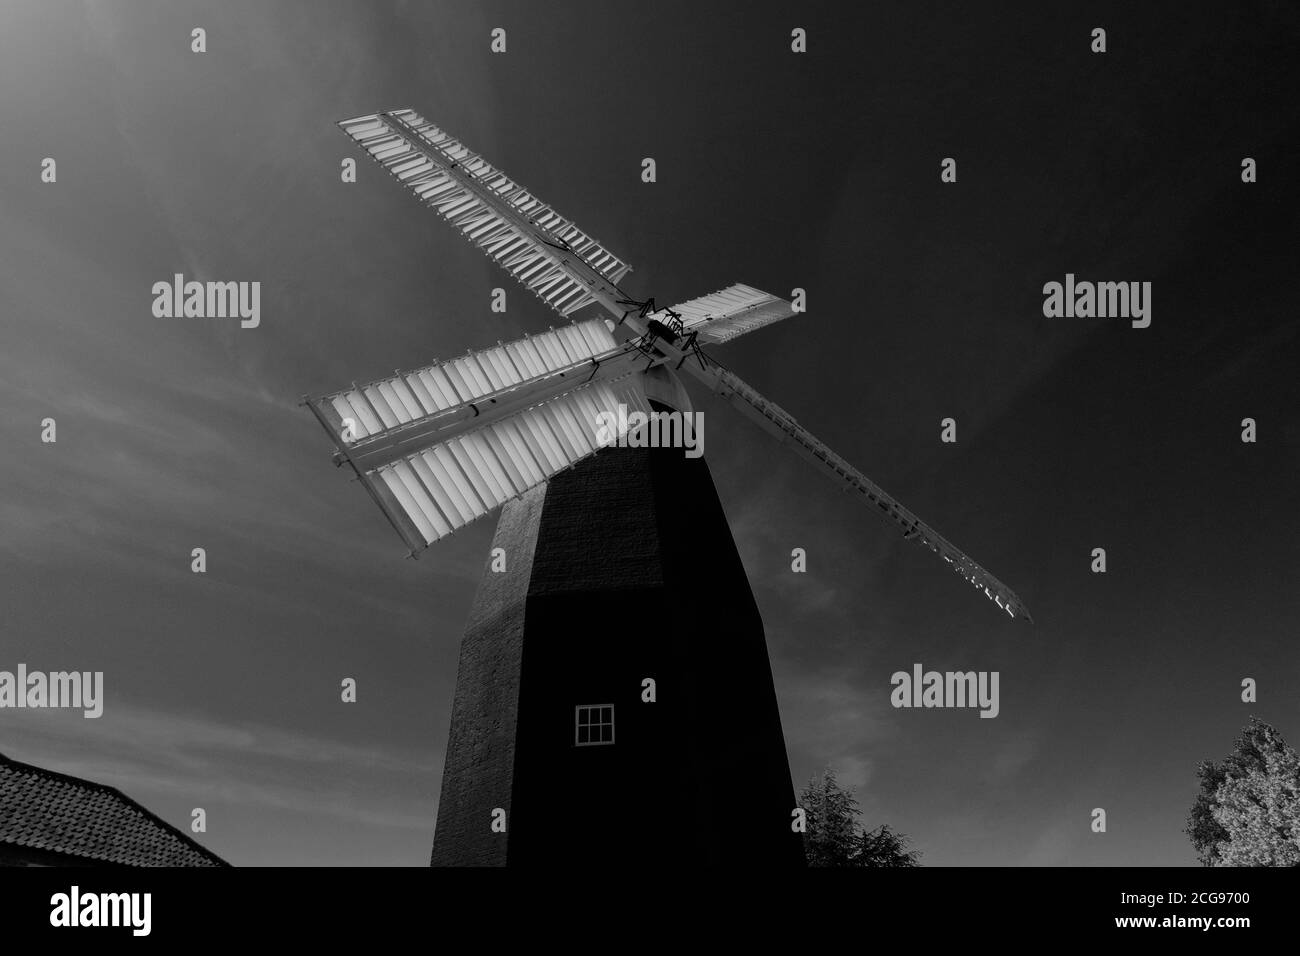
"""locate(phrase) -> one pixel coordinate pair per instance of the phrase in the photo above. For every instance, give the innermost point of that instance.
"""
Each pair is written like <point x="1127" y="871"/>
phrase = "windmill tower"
<point x="607" y="704"/>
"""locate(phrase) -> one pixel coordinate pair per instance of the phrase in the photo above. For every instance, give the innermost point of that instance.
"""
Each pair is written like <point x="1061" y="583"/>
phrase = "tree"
<point x="832" y="834"/>
<point x="884" y="846"/>
<point x="834" y="837"/>
<point x="1248" y="810"/>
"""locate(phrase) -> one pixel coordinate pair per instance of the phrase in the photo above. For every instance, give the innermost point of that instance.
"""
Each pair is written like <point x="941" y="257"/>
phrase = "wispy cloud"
<point x="255" y="767"/>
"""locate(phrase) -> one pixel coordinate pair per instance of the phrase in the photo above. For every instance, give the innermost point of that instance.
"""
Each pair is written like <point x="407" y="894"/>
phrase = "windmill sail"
<point x="561" y="264"/>
<point x="722" y="316"/>
<point x="446" y="486"/>
<point x="376" y="423"/>
<point x="442" y="445"/>
<point x="779" y="422"/>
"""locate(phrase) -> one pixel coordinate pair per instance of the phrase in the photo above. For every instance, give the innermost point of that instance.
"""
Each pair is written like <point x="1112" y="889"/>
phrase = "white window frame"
<point x="577" y="713"/>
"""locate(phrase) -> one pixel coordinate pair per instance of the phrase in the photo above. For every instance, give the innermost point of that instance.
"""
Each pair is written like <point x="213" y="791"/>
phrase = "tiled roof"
<point x="44" y="810"/>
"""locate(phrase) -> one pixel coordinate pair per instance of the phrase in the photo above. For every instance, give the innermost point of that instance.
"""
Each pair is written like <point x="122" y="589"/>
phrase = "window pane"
<point x="593" y="724"/>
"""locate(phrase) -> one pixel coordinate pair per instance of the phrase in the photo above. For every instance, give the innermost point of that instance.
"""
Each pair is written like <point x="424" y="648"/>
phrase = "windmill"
<point x="614" y="671"/>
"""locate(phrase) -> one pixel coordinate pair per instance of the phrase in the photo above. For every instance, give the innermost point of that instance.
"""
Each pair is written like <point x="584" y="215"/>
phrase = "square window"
<point x="593" y="725"/>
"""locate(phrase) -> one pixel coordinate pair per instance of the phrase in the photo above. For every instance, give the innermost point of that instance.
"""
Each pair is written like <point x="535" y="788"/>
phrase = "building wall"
<point x="479" y="766"/>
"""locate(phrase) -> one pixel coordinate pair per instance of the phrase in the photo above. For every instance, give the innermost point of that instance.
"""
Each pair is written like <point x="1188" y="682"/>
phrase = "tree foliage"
<point x="1248" y="810"/>
<point x="835" y="838"/>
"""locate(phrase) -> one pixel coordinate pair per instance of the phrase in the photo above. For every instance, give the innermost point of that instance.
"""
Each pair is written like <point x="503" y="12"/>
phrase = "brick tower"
<point x="619" y="570"/>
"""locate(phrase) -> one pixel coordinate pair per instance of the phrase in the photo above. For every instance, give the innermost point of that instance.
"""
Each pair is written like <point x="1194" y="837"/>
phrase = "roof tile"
<point x="51" y="811"/>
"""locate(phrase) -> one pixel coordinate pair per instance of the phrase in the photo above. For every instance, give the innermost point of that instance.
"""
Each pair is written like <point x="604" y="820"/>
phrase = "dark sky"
<point x="819" y="171"/>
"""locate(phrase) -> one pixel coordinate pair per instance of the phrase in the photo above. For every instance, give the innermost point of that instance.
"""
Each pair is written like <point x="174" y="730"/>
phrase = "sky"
<point x="780" y="170"/>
